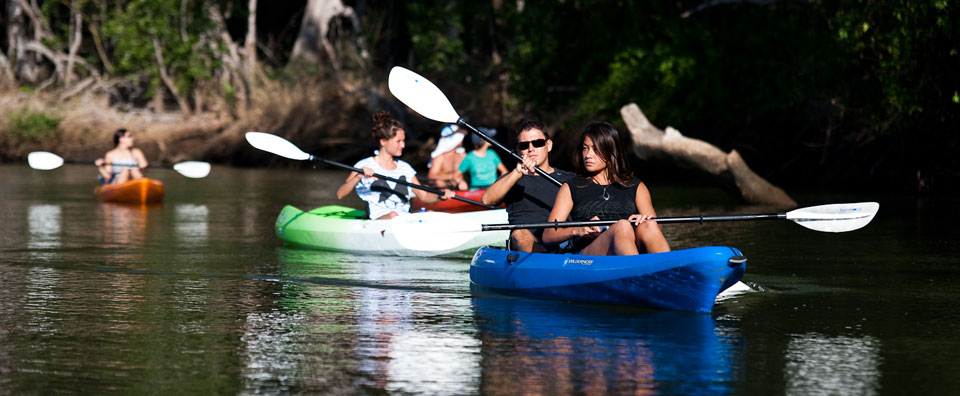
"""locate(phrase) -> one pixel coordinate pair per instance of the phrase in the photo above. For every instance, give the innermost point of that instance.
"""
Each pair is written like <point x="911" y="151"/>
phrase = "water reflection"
<point x="100" y="298"/>
<point x="191" y="220"/>
<point x="42" y="300"/>
<point x="545" y="347"/>
<point x="44" y="237"/>
<point x="840" y="365"/>
<point x="399" y="354"/>
<point x="250" y="219"/>
<point x="296" y="343"/>
<point x="123" y="225"/>
<point x="346" y="322"/>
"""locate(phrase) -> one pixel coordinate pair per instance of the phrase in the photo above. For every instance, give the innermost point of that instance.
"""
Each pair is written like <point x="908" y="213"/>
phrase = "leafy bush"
<point x="28" y="125"/>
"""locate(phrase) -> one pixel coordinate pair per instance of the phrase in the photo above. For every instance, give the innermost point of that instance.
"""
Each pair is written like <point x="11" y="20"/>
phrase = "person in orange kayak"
<point x="605" y="189"/>
<point x="386" y="199"/>
<point x="124" y="162"/>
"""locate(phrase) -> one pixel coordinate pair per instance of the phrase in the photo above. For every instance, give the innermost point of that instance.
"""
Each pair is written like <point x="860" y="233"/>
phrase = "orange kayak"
<point x="451" y="205"/>
<point x="141" y="191"/>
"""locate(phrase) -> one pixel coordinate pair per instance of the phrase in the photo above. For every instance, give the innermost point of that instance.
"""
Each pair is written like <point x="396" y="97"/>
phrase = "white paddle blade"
<point x="421" y="95"/>
<point x="835" y="217"/>
<point x="193" y="169"/>
<point x="276" y="145"/>
<point x="42" y="160"/>
<point x="433" y="231"/>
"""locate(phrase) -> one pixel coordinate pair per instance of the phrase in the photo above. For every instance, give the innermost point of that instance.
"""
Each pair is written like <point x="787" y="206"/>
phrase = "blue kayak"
<point x="684" y="280"/>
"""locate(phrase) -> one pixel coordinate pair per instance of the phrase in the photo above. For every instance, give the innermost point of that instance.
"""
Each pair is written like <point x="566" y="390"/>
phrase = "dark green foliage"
<point x="133" y="26"/>
<point x="863" y="90"/>
<point x="27" y="125"/>
<point x="847" y="90"/>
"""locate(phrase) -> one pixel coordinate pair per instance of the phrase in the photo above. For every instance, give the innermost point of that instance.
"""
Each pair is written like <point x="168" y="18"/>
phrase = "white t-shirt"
<point x="383" y="196"/>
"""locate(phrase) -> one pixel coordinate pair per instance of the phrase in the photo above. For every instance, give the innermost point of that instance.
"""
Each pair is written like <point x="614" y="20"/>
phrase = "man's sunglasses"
<point x="536" y="143"/>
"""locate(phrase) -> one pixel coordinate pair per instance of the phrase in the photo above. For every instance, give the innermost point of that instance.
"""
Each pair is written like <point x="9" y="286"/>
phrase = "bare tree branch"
<point x="80" y="87"/>
<point x="250" y="46"/>
<point x="183" y="20"/>
<point x="233" y="61"/>
<point x="7" y="73"/>
<point x="41" y="49"/>
<point x="314" y="29"/>
<point x="184" y="107"/>
<point x="40" y="28"/>
<point x="76" y="24"/>
<point x="95" y="34"/>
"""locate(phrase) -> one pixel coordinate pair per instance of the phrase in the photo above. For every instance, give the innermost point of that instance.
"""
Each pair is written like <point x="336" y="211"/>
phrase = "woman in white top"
<point x="387" y="199"/>
<point x="124" y="162"/>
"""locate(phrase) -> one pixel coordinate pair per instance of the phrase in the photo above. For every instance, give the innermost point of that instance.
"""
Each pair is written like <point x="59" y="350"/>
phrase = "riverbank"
<point x="332" y="120"/>
<point x="326" y="119"/>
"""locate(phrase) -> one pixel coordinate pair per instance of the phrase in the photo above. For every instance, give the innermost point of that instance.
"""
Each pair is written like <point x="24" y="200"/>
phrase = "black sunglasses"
<point x="536" y="143"/>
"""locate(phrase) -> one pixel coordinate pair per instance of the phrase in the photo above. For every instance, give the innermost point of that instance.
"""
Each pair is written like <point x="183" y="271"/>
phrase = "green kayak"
<point x="343" y="229"/>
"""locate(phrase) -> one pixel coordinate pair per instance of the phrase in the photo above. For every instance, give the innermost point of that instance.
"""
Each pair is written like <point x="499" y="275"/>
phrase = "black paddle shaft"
<point x="406" y="183"/>
<point x="663" y="220"/>
<point x="506" y="150"/>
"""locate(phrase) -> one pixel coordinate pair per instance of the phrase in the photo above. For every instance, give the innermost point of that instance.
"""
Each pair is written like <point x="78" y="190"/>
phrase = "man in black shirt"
<point x="528" y="196"/>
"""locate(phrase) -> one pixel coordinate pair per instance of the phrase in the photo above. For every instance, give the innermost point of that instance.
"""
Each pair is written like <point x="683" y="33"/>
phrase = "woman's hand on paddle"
<point x="638" y="219"/>
<point x="352" y="180"/>
<point x="588" y="231"/>
<point x="99" y="162"/>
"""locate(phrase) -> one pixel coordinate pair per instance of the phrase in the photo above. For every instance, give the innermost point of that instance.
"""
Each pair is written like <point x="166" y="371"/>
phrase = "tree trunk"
<point x="5" y="72"/>
<point x="31" y="62"/>
<point x="25" y="31"/>
<point x="76" y="33"/>
<point x="314" y="28"/>
<point x="232" y="60"/>
<point x="95" y="35"/>
<point x="16" y="34"/>
<point x="171" y="85"/>
<point x="250" y="46"/>
<point x="728" y="169"/>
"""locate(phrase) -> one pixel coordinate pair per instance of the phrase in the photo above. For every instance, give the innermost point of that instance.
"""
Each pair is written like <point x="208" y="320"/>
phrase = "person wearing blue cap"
<point x="482" y="165"/>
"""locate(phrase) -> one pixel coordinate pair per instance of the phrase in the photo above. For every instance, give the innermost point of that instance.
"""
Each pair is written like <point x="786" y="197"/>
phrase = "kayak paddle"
<point x="279" y="146"/>
<point x="443" y="232"/>
<point x="425" y="98"/>
<point x="43" y="160"/>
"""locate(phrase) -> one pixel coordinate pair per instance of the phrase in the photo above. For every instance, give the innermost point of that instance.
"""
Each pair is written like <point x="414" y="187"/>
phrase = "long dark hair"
<point x="606" y="138"/>
<point x="384" y="126"/>
<point x="117" y="135"/>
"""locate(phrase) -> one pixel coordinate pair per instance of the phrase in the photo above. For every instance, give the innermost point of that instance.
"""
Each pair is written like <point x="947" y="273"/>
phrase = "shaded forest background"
<point x="847" y="95"/>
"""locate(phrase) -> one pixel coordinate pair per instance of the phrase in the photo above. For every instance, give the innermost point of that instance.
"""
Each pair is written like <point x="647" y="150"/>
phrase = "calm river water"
<point x="198" y="296"/>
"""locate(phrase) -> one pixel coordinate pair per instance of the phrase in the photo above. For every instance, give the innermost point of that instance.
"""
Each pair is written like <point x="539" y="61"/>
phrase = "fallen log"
<point x="729" y="169"/>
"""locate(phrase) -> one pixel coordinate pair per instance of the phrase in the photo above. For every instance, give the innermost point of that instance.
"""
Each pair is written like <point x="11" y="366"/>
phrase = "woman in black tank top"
<point x="606" y="190"/>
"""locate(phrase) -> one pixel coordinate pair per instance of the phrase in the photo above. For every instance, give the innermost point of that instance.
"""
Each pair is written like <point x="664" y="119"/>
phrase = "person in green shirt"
<point x="482" y="164"/>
